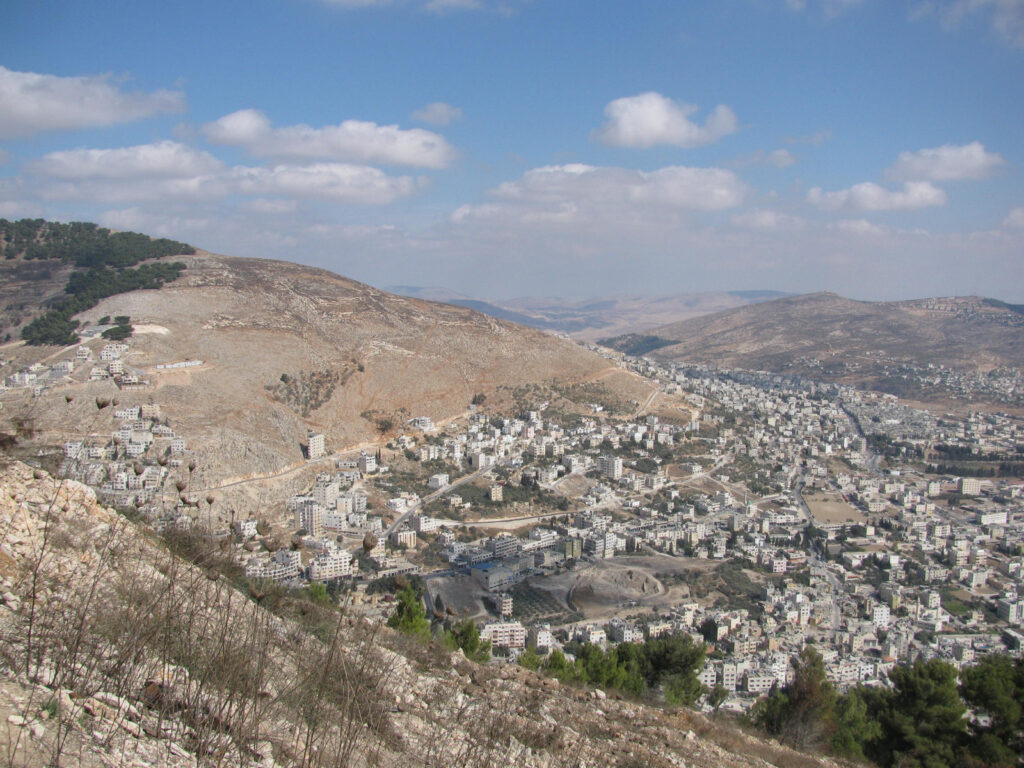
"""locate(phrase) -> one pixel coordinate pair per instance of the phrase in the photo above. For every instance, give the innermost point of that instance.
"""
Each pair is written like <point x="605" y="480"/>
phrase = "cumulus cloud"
<point x="438" y="113"/>
<point x="273" y="207"/>
<point x="441" y="6"/>
<point x="1005" y="16"/>
<point x="1015" y="219"/>
<point x="779" y="158"/>
<point x="698" y="189"/>
<point x="650" y="119"/>
<point x="357" y="3"/>
<point x="162" y="159"/>
<point x="869" y="196"/>
<point x="18" y="209"/>
<point x="816" y="139"/>
<point x="31" y="103"/>
<point x="325" y="181"/>
<point x="168" y="170"/>
<point x="763" y="220"/>
<point x="946" y="163"/>
<point x="353" y="141"/>
<point x="830" y="8"/>
<point x="858" y="228"/>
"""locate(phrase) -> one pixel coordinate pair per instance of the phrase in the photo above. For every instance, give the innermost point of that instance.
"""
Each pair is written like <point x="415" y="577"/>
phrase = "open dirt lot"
<point x="622" y="586"/>
<point x="830" y="508"/>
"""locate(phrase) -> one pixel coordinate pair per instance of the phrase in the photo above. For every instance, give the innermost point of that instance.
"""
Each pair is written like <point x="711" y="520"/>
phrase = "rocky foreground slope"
<point x="116" y="652"/>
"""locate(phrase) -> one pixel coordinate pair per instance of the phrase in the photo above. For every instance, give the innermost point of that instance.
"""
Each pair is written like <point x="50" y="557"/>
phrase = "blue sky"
<point x="538" y="147"/>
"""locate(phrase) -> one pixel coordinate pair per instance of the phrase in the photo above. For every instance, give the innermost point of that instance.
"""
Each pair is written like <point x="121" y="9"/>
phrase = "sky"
<point x="505" y="148"/>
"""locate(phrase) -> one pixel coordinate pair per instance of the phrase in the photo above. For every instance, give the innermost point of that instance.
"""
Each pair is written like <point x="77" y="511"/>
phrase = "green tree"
<point x="854" y="726"/>
<point x="995" y="687"/>
<point x="921" y="717"/>
<point x="466" y="636"/>
<point x="717" y="696"/>
<point x="409" y="616"/>
<point x="530" y="659"/>
<point x="118" y="332"/>
<point x="800" y="713"/>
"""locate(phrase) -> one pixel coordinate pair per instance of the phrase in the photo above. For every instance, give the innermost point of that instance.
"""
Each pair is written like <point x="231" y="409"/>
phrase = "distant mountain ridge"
<point x="835" y="338"/>
<point x="588" y="319"/>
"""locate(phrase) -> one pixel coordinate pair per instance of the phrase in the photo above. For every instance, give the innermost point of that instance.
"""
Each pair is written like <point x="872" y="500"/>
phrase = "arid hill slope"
<point x="287" y="348"/>
<point x="789" y="334"/>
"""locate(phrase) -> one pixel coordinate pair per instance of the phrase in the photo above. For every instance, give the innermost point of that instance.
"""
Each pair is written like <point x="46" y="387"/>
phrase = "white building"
<point x="332" y="563"/>
<point x="610" y="467"/>
<point x="505" y="634"/>
<point x="439" y="480"/>
<point x="317" y="447"/>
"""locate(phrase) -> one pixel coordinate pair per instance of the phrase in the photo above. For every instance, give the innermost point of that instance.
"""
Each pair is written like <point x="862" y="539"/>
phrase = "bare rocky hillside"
<point x="831" y="337"/>
<point x="116" y="652"/>
<point x="285" y="349"/>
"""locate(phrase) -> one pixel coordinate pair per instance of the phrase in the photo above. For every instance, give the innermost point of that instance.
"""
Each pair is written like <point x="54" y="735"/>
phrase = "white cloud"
<point x="815" y="139"/>
<point x="650" y="119"/>
<point x="869" y="196"/>
<point x="438" y="113"/>
<point x="357" y="3"/>
<point x="594" y="188"/>
<point x="352" y="141"/>
<point x="779" y="158"/>
<point x="18" y="209"/>
<point x="945" y="163"/>
<point x="441" y="6"/>
<point x="262" y="205"/>
<point x="1005" y="16"/>
<point x="170" y="171"/>
<point x="858" y="227"/>
<point x="325" y="181"/>
<point x="1015" y="219"/>
<point x="830" y="8"/>
<point x="31" y="103"/>
<point x="167" y="159"/>
<point x="763" y="220"/>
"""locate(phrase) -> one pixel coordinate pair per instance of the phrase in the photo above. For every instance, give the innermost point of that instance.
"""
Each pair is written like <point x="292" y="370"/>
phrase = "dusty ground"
<point x="830" y="508"/>
<point x="622" y="585"/>
<point x="252" y="321"/>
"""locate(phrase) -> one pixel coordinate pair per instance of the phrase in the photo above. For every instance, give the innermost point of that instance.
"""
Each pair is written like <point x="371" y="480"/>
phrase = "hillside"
<point x="116" y="651"/>
<point x="886" y="345"/>
<point x="279" y="349"/>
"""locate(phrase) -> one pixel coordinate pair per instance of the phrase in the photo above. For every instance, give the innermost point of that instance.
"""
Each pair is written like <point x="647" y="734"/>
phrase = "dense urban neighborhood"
<point x="756" y="513"/>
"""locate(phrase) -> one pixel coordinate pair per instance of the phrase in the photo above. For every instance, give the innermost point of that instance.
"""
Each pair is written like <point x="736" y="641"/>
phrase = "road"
<point x="442" y="491"/>
<point x="510" y="522"/>
<point x="814" y="559"/>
